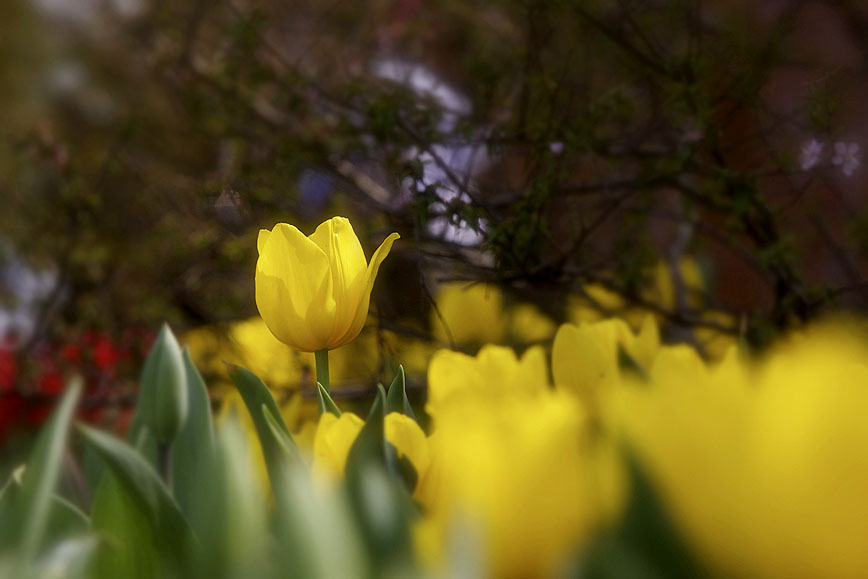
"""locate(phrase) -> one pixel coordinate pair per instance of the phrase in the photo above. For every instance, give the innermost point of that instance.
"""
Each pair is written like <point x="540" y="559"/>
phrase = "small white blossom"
<point x="846" y="157"/>
<point x="556" y="147"/>
<point x="811" y="154"/>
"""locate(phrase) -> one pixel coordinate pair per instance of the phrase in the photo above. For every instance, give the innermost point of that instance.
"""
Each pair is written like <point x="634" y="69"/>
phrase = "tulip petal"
<point x="294" y="288"/>
<point x="584" y="358"/>
<point x="332" y="442"/>
<point x="261" y="239"/>
<point x="409" y="440"/>
<point x="347" y="264"/>
<point x="450" y="373"/>
<point x="361" y="313"/>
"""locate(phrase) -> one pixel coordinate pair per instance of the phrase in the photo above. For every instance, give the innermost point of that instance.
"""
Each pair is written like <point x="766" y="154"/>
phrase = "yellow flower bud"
<point x="314" y="291"/>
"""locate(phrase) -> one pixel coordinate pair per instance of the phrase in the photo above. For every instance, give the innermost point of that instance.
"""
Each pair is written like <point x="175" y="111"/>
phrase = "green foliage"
<point x="140" y="490"/>
<point x="644" y="544"/>
<point x="214" y="520"/>
<point x="26" y="510"/>
<point x="396" y="399"/>
<point x="260" y="403"/>
<point x="325" y="402"/>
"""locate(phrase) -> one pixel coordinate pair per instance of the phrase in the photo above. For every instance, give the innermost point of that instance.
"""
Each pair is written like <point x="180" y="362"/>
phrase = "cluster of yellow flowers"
<point x="761" y="462"/>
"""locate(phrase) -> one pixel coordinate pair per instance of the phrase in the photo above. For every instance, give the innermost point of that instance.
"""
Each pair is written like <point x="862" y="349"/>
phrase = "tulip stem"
<point x="322" y="368"/>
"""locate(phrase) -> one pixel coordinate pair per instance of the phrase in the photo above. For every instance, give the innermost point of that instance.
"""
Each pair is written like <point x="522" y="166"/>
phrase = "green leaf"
<point x="380" y="502"/>
<point x="193" y="449"/>
<point x="69" y="558"/>
<point x="25" y="519"/>
<point x="65" y="520"/>
<point x="645" y="543"/>
<point x="370" y="444"/>
<point x="397" y="400"/>
<point x="255" y="394"/>
<point x="143" y="495"/>
<point x="235" y="541"/>
<point x="631" y="365"/>
<point x="312" y="527"/>
<point x="325" y="402"/>
<point x="285" y="441"/>
<point x="130" y="545"/>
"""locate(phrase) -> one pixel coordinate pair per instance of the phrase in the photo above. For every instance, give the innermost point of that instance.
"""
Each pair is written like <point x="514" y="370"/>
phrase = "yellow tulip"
<point x="410" y="442"/>
<point x="500" y="435"/>
<point x="493" y="374"/>
<point x="524" y="476"/>
<point x="585" y="358"/>
<point x="332" y="442"/>
<point x="314" y="292"/>
<point x="598" y="303"/>
<point x="691" y="278"/>
<point x="762" y="464"/>
<point x="469" y="314"/>
<point x="528" y="324"/>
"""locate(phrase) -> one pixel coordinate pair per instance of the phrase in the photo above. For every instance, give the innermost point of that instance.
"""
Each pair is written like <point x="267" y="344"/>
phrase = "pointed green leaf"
<point x="324" y="401"/>
<point x="25" y="520"/>
<point x="141" y="484"/>
<point x="193" y="449"/>
<point x="66" y="518"/>
<point x="380" y="502"/>
<point x="397" y="400"/>
<point x="284" y="440"/>
<point x="129" y="545"/>
<point x="235" y="542"/>
<point x="370" y="444"/>
<point x="255" y="394"/>
<point x="313" y="526"/>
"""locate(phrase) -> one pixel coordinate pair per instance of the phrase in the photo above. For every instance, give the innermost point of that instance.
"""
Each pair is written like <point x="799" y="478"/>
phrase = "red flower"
<point x="8" y="371"/>
<point x="71" y="353"/>
<point x="106" y="355"/>
<point x="51" y="382"/>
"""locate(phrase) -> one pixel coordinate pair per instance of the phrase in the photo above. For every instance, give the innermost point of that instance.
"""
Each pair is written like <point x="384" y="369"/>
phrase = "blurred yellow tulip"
<point x="472" y="314"/>
<point x="525" y="474"/>
<point x="585" y="358"/>
<point x="599" y="303"/>
<point x="314" y="292"/>
<point x="492" y="374"/>
<point x="690" y="279"/>
<point x="516" y="461"/>
<point x="410" y="441"/>
<point x="332" y="442"/>
<point x="763" y="465"/>
<point x="527" y="324"/>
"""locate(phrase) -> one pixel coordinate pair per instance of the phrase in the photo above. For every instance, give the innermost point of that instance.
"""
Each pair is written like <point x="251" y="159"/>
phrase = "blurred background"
<point x="543" y="160"/>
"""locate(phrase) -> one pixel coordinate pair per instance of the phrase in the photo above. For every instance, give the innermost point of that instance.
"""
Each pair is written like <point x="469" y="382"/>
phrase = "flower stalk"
<point x="322" y="368"/>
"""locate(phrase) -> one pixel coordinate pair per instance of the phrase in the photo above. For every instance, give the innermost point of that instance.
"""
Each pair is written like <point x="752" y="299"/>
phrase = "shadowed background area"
<point x="709" y="150"/>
